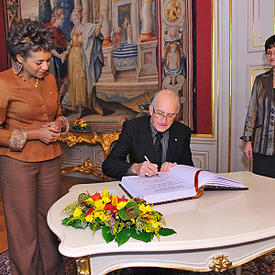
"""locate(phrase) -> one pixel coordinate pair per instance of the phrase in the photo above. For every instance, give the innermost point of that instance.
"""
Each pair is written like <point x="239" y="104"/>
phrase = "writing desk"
<point x="219" y="230"/>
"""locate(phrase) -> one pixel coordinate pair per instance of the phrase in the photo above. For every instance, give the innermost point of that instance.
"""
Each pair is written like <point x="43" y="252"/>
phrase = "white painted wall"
<point x="240" y="29"/>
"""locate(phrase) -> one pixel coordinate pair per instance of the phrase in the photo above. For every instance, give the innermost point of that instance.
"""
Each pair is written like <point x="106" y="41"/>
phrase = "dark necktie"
<point x="158" y="149"/>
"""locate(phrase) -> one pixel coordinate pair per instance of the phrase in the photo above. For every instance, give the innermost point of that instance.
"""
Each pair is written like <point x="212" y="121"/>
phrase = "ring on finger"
<point x="146" y="174"/>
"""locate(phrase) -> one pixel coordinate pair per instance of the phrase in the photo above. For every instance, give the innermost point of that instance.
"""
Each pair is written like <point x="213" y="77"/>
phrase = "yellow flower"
<point x="106" y="200"/>
<point x="105" y="196"/>
<point x="77" y="212"/>
<point x="156" y="225"/>
<point x="89" y="218"/>
<point x="89" y="201"/>
<point x="121" y="205"/>
<point x="133" y="221"/>
<point x="99" y="205"/>
<point x="144" y="208"/>
<point x="105" y="193"/>
<point x="101" y="215"/>
<point x="80" y="123"/>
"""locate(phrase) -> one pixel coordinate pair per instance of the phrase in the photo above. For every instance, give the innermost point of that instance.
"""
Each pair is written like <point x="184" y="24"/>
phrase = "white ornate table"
<point x="220" y="230"/>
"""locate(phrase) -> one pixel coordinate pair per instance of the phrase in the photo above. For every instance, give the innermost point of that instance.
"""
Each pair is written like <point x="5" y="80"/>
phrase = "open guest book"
<point x="181" y="182"/>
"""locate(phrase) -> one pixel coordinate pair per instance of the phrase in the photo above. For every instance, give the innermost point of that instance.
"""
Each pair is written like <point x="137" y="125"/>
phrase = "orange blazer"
<point x="24" y="106"/>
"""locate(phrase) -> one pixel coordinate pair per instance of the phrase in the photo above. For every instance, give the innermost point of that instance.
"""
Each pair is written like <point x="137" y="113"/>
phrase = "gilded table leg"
<point x="220" y="263"/>
<point x="86" y="168"/>
<point x="83" y="266"/>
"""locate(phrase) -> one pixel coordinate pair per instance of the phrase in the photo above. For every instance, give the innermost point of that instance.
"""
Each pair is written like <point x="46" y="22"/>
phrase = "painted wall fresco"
<point x="145" y="45"/>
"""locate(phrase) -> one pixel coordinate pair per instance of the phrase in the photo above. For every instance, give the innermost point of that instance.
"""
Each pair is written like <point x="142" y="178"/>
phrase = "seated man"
<point x="154" y="143"/>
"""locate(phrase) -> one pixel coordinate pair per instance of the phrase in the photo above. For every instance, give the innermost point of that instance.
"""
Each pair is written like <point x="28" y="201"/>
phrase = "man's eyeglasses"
<point x="161" y="114"/>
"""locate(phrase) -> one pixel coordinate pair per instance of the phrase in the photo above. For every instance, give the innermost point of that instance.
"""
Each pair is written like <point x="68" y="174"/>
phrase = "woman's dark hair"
<point x="269" y="43"/>
<point x="27" y="35"/>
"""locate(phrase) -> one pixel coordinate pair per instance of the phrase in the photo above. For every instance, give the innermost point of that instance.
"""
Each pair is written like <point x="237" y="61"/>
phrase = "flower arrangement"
<point x="80" y="124"/>
<point x="119" y="218"/>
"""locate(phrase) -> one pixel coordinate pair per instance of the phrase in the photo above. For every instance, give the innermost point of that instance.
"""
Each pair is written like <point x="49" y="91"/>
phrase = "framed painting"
<point x="139" y="47"/>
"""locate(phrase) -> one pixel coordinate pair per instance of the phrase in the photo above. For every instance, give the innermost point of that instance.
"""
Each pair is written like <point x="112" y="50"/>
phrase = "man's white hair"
<point x="168" y="92"/>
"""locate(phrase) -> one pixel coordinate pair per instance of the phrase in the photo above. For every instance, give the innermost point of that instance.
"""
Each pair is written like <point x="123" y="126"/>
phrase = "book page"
<point x="224" y="182"/>
<point x="205" y="178"/>
<point x="161" y="188"/>
<point x="177" y="184"/>
<point x="185" y="172"/>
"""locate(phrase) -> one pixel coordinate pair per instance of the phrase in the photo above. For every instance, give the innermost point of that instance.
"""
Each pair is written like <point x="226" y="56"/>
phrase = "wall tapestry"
<point x="112" y="55"/>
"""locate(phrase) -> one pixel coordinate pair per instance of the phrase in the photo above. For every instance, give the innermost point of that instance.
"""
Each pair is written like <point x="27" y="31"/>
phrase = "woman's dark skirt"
<point x="264" y="165"/>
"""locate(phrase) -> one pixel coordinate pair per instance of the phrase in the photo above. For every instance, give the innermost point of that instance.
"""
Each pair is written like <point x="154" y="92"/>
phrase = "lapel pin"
<point x="176" y="139"/>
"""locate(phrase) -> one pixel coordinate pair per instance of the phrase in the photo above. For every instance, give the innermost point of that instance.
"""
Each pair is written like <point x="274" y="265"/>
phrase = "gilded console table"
<point x="104" y="139"/>
<point x="218" y="231"/>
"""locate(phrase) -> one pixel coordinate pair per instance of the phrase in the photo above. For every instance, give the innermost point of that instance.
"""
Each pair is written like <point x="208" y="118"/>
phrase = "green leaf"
<point x="107" y="234"/>
<point x="78" y="224"/>
<point x="123" y="236"/>
<point x="142" y="236"/>
<point x="94" y="226"/>
<point x="130" y="211"/>
<point x="159" y="213"/>
<point x="99" y="221"/>
<point x="166" y="231"/>
<point x="64" y="221"/>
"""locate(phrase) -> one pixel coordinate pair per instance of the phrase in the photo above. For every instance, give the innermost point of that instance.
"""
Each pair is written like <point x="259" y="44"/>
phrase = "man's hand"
<point x="248" y="149"/>
<point x="166" y="166"/>
<point x="144" y="169"/>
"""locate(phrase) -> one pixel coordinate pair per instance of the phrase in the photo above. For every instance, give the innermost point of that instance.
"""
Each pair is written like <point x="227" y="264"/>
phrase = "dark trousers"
<point x="264" y="165"/>
<point x="28" y="191"/>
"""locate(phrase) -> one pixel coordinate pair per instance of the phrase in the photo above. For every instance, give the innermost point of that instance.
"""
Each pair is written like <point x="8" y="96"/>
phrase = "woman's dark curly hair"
<point x="27" y="35"/>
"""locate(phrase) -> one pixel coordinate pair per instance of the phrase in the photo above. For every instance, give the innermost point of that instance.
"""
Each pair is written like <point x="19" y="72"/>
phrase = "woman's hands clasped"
<point x="52" y="131"/>
<point x="48" y="133"/>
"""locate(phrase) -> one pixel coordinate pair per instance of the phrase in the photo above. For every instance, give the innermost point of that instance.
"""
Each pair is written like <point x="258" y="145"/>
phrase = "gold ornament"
<point x="220" y="263"/>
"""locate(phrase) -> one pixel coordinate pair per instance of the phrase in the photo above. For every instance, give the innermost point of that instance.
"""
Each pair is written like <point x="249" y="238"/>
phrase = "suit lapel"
<point x="172" y="143"/>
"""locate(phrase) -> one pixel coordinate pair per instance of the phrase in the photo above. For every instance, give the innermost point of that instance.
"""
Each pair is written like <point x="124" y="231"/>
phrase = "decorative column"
<point x="84" y="6"/>
<point x="147" y="21"/>
<point x="147" y="61"/>
<point x="77" y="4"/>
<point x="85" y="11"/>
<point x="147" y="70"/>
<point x="108" y="70"/>
<point x="104" y="20"/>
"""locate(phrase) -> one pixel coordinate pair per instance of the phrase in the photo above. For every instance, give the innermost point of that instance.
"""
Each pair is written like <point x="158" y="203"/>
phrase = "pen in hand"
<point x="145" y="157"/>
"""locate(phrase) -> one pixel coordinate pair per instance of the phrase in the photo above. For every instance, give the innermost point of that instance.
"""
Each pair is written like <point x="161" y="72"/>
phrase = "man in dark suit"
<point x="154" y="143"/>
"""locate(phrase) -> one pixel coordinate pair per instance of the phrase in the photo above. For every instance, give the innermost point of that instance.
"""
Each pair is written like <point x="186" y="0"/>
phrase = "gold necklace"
<point x="36" y="85"/>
